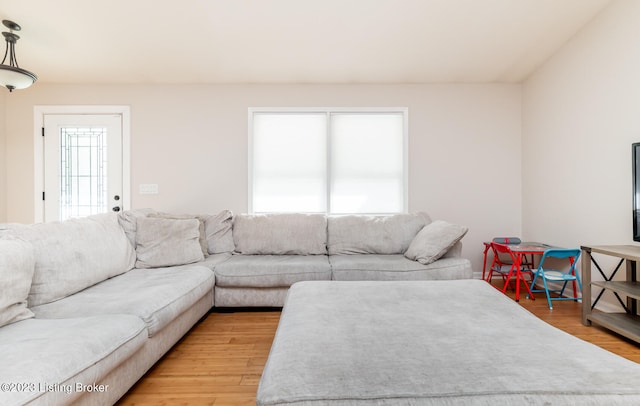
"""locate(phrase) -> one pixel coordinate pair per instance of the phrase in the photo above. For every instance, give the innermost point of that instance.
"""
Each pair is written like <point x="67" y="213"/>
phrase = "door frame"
<point x="38" y="148"/>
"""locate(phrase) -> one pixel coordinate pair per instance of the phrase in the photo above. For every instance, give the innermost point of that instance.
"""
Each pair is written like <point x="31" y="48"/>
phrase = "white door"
<point x="82" y="165"/>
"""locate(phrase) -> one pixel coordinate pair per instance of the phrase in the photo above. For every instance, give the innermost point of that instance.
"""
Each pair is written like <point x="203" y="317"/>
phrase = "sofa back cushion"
<point x="17" y="264"/>
<point x="128" y="220"/>
<point x="75" y="254"/>
<point x="218" y="231"/>
<point x="358" y="234"/>
<point x="216" y="235"/>
<point x="280" y="234"/>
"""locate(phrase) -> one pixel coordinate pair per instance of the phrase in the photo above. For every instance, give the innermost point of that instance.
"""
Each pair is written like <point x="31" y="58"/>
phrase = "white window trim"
<point x="328" y="111"/>
<point x="38" y="151"/>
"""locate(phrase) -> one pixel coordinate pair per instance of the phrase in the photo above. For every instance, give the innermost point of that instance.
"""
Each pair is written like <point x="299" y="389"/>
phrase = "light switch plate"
<point x="148" y="188"/>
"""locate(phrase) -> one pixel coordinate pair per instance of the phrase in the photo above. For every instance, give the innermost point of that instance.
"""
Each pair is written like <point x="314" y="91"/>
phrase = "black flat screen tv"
<point x="635" y="162"/>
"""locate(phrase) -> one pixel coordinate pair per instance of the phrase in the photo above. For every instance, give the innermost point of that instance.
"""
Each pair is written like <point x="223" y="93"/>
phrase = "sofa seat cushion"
<point x="214" y="259"/>
<point x="63" y="353"/>
<point x="266" y="271"/>
<point x="156" y="295"/>
<point x="396" y="267"/>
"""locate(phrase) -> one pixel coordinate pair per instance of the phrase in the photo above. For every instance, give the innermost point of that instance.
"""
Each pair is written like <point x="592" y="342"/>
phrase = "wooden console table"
<point x="625" y="323"/>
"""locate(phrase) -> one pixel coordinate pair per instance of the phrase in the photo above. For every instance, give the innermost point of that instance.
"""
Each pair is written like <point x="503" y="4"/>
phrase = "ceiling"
<point x="292" y="41"/>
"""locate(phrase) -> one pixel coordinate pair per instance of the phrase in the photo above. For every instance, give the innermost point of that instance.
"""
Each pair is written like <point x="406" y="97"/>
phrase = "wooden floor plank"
<point x="219" y="363"/>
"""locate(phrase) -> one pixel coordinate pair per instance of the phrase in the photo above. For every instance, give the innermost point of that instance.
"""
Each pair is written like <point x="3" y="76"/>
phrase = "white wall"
<point x="581" y="112"/>
<point x="192" y="142"/>
<point x="3" y="163"/>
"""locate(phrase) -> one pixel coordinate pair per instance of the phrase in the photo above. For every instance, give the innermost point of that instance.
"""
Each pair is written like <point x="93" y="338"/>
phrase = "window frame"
<point x="328" y="111"/>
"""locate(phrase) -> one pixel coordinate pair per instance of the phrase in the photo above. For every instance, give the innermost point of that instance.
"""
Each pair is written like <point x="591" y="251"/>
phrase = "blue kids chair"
<point x="553" y="275"/>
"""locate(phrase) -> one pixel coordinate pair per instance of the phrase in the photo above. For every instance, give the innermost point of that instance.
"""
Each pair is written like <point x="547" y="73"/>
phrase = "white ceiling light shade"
<point x="11" y="75"/>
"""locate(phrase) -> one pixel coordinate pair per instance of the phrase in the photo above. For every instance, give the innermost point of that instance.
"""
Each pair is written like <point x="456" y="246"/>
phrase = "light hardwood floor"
<point x="220" y="361"/>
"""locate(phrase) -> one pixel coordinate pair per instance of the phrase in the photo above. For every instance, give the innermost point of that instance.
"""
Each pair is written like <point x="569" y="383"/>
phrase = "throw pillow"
<point x="167" y="242"/>
<point x="202" y="239"/>
<point x="434" y="240"/>
<point x="128" y="222"/>
<point x="17" y="264"/>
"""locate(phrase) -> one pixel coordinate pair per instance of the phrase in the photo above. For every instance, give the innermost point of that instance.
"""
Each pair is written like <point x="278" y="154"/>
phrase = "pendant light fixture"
<point x="11" y="75"/>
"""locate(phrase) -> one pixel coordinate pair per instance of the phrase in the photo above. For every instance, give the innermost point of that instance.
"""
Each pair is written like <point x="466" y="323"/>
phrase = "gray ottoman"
<point x="431" y="343"/>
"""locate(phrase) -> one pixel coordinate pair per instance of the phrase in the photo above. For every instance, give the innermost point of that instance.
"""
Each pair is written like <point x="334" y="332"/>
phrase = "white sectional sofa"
<point x="88" y="305"/>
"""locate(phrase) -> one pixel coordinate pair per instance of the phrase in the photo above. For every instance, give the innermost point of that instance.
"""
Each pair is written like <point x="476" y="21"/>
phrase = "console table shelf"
<point x="630" y="289"/>
<point x="627" y="323"/>
<point x="622" y="323"/>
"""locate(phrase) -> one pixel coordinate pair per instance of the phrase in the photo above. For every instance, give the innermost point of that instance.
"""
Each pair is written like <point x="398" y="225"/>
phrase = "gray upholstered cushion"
<point x="219" y="234"/>
<point x="63" y="353"/>
<point x="372" y="267"/>
<point x="203" y="237"/>
<point x="455" y="251"/>
<point x="259" y="271"/>
<point x="75" y="254"/>
<point x="214" y="259"/>
<point x="280" y="234"/>
<point x="128" y="220"/>
<point x="17" y="263"/>
<point x="434" y="240"/>
<point x="427" y="343"/>
<point x="167" y="242"/>
<point x="10" y="228"/>
<point x="357" y="234"/>
<point x="157" y="296"/>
